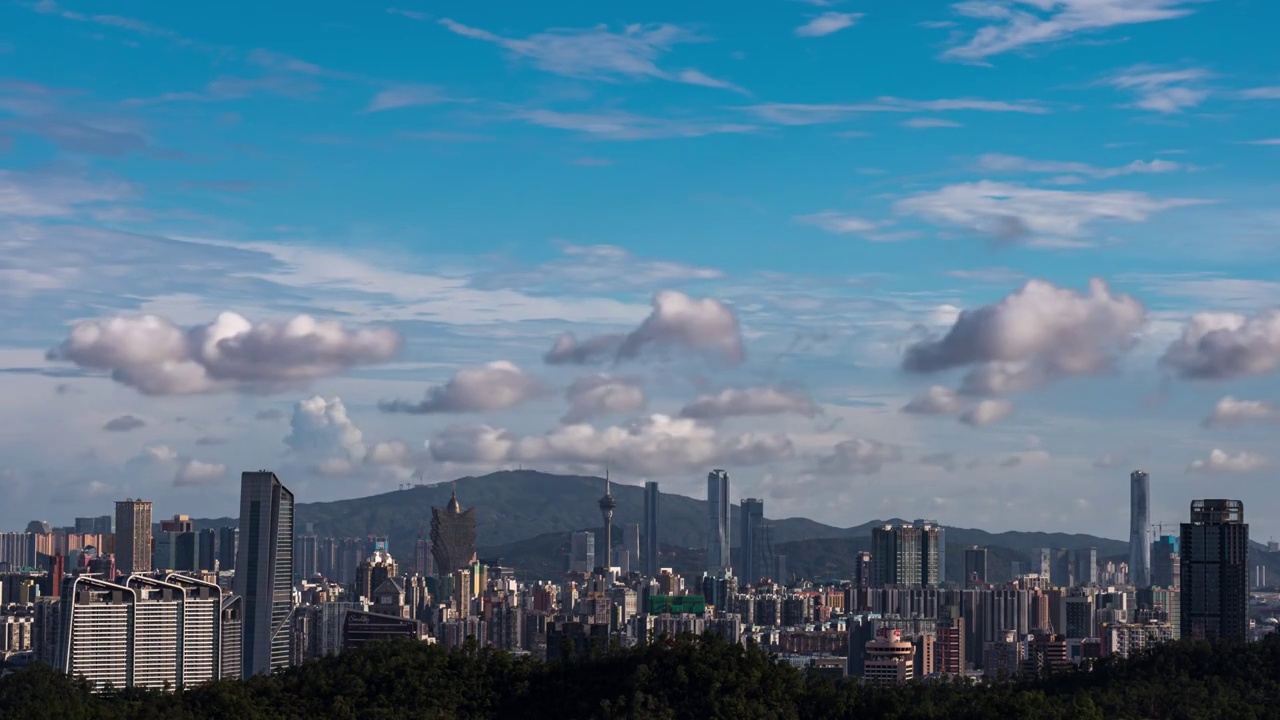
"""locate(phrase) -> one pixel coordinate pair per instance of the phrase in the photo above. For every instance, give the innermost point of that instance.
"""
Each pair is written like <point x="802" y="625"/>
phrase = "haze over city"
<point x="972" y="262"/>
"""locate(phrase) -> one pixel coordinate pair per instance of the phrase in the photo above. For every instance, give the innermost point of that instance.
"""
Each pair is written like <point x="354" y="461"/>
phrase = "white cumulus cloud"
<point x="1217" y="346"/>
<point x="596" y="395"/>
<point x="1221" y="462"/>
<point x="152" y="354"/>
<point x="656" y="445"/>
<point x="196" y="473"/>
<point x="1231" y="412"/>
<point x="737" y="402"/>
<point x="494" y="386"/>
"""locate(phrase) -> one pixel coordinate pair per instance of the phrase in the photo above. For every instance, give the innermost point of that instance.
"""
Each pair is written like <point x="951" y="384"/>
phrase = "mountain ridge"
<point x="516" y="505"/>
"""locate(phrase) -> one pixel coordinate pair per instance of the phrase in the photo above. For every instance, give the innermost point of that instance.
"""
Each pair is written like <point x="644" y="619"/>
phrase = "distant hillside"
<point x="527" y="514"/>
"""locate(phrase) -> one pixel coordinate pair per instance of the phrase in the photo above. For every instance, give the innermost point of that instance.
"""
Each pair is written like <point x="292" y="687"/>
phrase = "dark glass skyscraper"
<point x="453" y="536"/>
<point x="607" y="506"/>
<point x="975" y="565"/>
<point x="1165" y="563"/>
<point x="649" y="554"/>
<point x="751" y="535"/>
<point x="264" y="571"/>
<point x="1139" y="519"/>
<point x="1214" y="551"/>
<point x="718" y="512"/>
<point x="228" y="547"/>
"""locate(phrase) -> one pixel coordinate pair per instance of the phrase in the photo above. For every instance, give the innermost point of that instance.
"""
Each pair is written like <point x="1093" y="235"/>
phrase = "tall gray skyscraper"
<point x="1139" y="520"/>
<point x="718" y="507"/>
<point x="649" y="554"/>
<point x="133" y="536"/>
<point x="751" y="537"/>
<point x="264" y="571"/>
<point x="905" y="555"/>
<point x="1214" y="550"/>
<point x="631" y="543"/>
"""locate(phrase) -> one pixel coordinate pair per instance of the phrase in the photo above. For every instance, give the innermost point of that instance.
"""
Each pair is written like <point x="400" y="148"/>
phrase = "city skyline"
<point x="1030" y="251"/>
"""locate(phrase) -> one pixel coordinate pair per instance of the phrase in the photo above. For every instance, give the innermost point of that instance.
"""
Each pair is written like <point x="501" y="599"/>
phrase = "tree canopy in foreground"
<point x="702" y="678"/>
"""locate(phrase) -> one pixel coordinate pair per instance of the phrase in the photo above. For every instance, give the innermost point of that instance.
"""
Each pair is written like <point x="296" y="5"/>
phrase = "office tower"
<point x="631" y="544"/>
<point x="649" y="555"/>
<point x="1214" y="549"/>
<point x="374" y="571"/>
<point x="308" y="556"/>
<point x="100" y="525"/>
<point x="582" y="552"/>
<point x="607" y="506"/>
<point x="1060" y="568"/>
<point x="717" y="521"/>
<point x="1166" y="571"/>
<point x="904" y="555"/>
<point x="975" y="565"/>
<point x="751" y="537"/>
<point x="863" y="570"/>
<point x="453" y="536"/>
<point x="133" y="536"/>
<point x="177" y="524"/>
<point x="264" y="571"/>
<point x="208" y="549"/>
<point x="17" y="550"/>
<point x="228" y="548"/>
<point x="421" y="557"/>
<point x="1084" y="566"/>
<point x="1139" y="519"/>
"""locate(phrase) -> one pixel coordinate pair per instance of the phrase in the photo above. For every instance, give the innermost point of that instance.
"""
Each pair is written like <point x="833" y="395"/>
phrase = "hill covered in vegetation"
<point x="701" y="678"/>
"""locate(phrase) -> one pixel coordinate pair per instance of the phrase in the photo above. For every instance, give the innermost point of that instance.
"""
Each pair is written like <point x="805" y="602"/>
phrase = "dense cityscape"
<point x="122" y="601"/>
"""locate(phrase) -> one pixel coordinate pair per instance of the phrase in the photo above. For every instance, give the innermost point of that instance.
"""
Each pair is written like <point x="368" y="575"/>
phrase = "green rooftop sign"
<point x="677" y="604"/>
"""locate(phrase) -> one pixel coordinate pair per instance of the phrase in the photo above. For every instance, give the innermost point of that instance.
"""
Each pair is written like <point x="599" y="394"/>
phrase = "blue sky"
<point x="972" y="261"/>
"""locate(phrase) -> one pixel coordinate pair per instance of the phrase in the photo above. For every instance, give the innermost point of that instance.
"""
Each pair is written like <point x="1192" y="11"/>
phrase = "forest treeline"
<point x="700" y="678"/>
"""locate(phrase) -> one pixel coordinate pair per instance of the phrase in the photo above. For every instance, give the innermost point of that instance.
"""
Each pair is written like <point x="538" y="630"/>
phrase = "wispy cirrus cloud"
<point x="619" y="125"/>
<point x="1162" y="90"/>
<point x="1010" y="25"/>
<point x="820" y="113"/>
<point x="598" y="53"/>
<point x="1019" y="214"/>
<point x="827" y="23"/>
<point x="997" y="162"/>
<point x="403" y="96"/>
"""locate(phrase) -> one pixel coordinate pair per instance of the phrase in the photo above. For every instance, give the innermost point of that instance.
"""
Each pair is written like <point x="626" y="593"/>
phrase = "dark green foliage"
<point x="702" y="678"/>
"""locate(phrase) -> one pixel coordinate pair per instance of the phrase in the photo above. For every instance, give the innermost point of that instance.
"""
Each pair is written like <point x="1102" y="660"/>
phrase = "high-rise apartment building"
<point x="937" y="538"/>
<point x="264" y="571"/>
<point x="307" y="556"/>
<point x="453" y="536"/>
<point x="1139" y="520"/>
<point x="975" y="565"/>
<point x="649" y="554"/>
<point x="751" y="537"/>
<point x="1166" y="570"/>
<point x="718" y="509"/>
<point x="905" y="555"/>
<point x="133" y="536"/>
<point x="1214" y="550"/>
